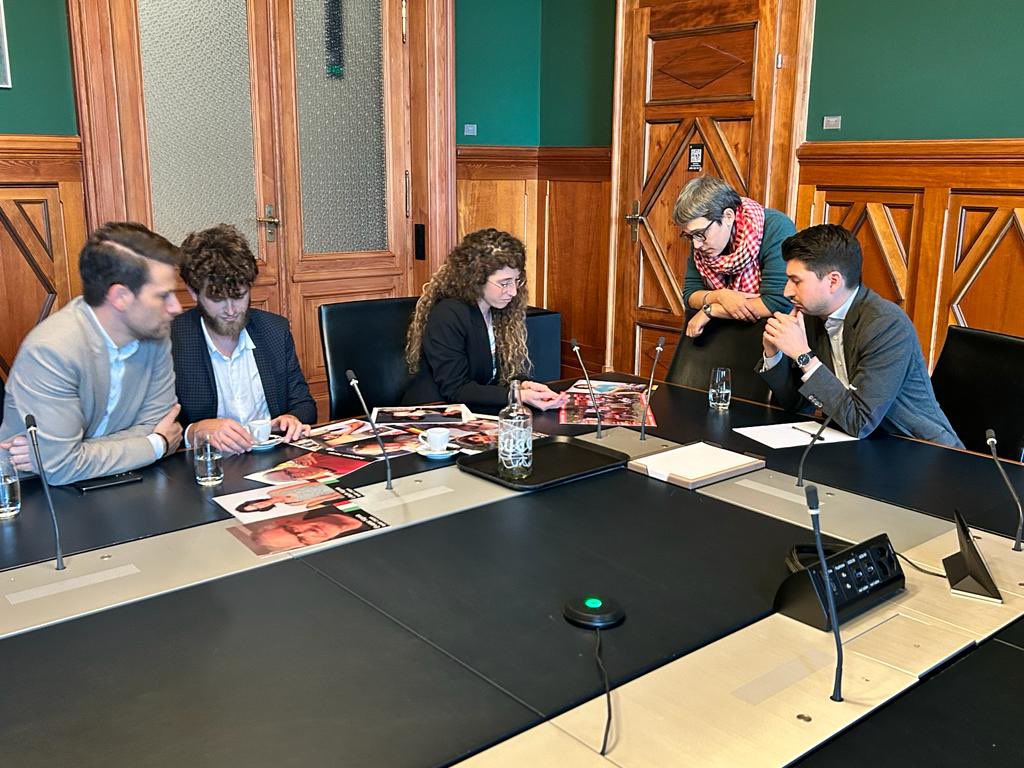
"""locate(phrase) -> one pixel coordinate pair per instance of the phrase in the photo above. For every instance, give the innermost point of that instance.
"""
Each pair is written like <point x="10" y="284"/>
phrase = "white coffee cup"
<point x="260" y="430"/>
<point x="436" y="439"/>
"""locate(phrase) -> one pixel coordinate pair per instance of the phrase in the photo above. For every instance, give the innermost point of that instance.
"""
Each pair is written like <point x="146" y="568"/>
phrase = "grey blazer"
<point x="885" y="365"/>
<point x="61" y="375"/>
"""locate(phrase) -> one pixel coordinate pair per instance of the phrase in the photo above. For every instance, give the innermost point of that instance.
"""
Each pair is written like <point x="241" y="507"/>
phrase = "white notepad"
<point x="695" y="465"/>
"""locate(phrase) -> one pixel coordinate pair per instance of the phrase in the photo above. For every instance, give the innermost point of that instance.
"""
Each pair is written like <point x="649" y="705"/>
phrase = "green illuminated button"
<point x="593" y="602"/>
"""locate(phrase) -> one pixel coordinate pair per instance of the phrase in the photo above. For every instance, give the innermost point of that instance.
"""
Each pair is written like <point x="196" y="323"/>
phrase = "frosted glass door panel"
<point x="195" y="64"/>
<point x="341" y="127"/>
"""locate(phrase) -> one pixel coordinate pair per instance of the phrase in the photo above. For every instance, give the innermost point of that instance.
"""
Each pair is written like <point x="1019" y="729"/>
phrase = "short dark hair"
<point x="116" y="254"/>
<point x="218" y="261"/>
<point x="826" y="248"/>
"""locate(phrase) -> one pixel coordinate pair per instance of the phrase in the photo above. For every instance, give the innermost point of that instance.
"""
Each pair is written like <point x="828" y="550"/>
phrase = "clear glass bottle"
<point x="515" y="437"/>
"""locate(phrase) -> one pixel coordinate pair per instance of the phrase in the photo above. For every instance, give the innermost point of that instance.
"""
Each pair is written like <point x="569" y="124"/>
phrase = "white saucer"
<point x="271" y="442"/>
<point x="425" y="452"/>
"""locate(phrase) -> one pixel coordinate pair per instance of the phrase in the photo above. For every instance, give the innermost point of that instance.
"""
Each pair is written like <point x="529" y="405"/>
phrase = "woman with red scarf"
<point x="736" y="269"/>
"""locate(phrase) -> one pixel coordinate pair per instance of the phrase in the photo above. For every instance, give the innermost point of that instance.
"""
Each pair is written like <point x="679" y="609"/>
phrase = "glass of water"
<point x="10" y="488"/>
<point x="720" y="389"/>
<point x="207" y="458"/>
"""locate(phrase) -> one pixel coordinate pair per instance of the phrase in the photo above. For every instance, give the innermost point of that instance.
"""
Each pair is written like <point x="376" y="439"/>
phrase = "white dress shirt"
<point x="117" y="357"/>
<point x="240" y="393"/>
<point x="834" y="328"/>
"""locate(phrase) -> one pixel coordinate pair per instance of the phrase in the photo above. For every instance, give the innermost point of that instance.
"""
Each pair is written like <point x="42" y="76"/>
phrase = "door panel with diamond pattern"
<point x="690" y="77"/>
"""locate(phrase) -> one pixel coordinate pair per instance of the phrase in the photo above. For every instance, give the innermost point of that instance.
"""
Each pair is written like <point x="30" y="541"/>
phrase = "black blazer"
<point x="283" y="383"/>
<point x="455" y="361"/>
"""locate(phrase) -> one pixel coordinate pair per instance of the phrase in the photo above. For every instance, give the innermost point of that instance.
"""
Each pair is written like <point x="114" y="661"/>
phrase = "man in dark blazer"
<point x="234" y="365"/>
<point x="849" y="352"/>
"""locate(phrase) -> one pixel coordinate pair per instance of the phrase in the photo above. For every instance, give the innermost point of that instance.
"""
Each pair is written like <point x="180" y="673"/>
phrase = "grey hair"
<point x="704" y="196"/>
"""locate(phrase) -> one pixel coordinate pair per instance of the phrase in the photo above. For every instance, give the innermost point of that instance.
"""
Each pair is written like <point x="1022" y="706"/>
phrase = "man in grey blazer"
<point x="97" y="375"/>
<point x="850" y="352"/>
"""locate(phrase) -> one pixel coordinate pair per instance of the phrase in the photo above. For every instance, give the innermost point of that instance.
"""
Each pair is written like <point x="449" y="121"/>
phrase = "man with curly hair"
<point x="234" y="364"/>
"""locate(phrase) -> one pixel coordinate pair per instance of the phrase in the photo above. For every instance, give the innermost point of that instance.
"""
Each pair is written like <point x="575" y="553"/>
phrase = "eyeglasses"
<point x="700" y="236"/>
<point x="506" y="285"/>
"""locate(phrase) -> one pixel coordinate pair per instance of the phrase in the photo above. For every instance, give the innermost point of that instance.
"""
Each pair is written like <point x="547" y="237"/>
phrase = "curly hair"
<point x="463" y="275"/>
<point x="218" y="262"/>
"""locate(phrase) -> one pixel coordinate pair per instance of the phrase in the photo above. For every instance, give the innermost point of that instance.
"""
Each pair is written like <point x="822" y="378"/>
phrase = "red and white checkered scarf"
<point x="740" y="269"/>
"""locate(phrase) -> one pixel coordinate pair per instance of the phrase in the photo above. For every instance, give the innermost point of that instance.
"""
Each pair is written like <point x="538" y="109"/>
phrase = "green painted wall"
<point x="497" y="71"/>
<point x="576" y="72"/>
<point x="41" y="99"/>
<point x="534" y="72"/>
<point x="941" y="69"/>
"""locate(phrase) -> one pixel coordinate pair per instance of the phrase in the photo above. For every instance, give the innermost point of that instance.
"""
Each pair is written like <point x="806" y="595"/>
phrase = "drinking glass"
<point x="10" y="488"/>
<point x="720" y="389"/>
<point x="207" y="458"/>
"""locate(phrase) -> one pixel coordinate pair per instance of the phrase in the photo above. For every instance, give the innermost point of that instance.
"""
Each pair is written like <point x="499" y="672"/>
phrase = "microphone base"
<point x="629" y="441"/>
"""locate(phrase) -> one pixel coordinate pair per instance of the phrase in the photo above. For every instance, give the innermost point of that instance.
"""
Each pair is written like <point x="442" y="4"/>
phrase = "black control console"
<point x="860" y="577"/>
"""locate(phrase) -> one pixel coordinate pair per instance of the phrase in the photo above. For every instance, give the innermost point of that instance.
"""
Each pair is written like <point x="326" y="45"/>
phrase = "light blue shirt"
<point x="240" y="393"/>
<point x="117" y="357"/>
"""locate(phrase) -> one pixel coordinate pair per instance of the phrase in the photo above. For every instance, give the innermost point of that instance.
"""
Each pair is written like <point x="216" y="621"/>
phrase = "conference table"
<point x="441" y="638"/>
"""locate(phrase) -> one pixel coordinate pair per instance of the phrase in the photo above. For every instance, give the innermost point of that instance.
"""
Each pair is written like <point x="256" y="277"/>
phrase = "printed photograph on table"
<point x="606" y="388"/>
<point x="319" y="466"/>
<point x="479" y="434"/>
<point x="396" y="444"/>
<point x="341" y="433"/>
<point x="422" y="414"/>
<point x="275" y="501"/>
<point x="305" y="529"/>
<point x="620" y="410"/>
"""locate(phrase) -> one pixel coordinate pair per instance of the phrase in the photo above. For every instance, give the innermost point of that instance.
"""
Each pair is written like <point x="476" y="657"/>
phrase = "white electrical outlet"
<point x="832" y="123"/>
<point x="469" y="129"/>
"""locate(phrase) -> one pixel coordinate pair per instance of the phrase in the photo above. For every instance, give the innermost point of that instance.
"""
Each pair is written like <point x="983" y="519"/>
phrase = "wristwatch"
<point x="805" y="359"/>
<point x="706" y="309"/>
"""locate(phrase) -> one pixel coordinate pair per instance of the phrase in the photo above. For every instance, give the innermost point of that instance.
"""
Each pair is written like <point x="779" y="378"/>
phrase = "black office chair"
<point x="730" y="343"/>
<point x="368" y="337"/>
<point x="1" y="402"/>
<point x="977" y="382"/>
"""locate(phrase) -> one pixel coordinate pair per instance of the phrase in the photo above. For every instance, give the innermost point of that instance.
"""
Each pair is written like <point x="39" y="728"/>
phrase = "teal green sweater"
<point x="777" y="227"/>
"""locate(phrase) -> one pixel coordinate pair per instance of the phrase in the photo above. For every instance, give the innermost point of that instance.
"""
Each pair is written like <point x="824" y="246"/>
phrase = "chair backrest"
<point x="733" y="344"/>
<point x="368" y="337"/>
<point x="977" y="382"/>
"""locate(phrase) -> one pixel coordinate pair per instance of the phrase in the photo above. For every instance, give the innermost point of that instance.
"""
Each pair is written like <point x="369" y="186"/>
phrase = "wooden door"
<point x="694" y="78"/>
<point x="370" y="258"/>
<point x="35" y="276"/>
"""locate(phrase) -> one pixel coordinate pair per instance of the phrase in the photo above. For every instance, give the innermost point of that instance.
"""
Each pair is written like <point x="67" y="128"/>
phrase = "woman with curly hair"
<point x="467" y="339"/>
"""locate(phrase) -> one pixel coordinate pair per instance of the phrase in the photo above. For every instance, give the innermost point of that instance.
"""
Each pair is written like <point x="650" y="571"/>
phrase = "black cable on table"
<point x="917" y="567"/>
<point x="607" y="692"/>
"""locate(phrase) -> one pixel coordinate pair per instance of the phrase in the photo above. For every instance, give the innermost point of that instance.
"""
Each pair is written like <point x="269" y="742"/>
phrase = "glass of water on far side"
<point x="10" y="488"/>
<point x="720" y="389"/>
<point x="207" y="458"/>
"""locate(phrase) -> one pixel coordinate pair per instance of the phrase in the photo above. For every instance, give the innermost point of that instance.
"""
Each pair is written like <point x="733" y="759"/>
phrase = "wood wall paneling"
<point x="557" y="200"/>
<point x="42" y="230"/>
<point x="939" y="222"/>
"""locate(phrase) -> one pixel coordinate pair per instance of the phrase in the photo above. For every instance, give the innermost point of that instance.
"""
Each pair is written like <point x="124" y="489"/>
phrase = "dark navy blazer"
<point x="284" y="386"/>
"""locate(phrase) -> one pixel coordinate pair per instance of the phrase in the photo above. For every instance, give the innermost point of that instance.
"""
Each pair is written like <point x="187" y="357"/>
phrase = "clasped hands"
<point x="734" y="304"/>
<point x="785" y="333"/>
<point x="228" y="435"/>
<point x="541" y="396"/>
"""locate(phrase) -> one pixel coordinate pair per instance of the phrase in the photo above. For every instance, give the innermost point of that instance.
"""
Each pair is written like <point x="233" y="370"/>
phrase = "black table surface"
<point x="273" y="667"/>
<point x="488" y="584"/>
<point x="968" y="714"/>
<point x="928" y="478"/>
<point x="166" y="500"/>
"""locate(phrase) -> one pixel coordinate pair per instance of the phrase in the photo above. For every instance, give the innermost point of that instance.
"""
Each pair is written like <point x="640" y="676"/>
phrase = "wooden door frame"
<point x="787" y="130"/>
<point x="107" y="69"/>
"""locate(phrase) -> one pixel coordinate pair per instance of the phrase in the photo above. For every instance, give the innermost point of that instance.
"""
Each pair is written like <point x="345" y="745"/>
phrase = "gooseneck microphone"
<point x="590" y="387"/>
<point x="811" y="491"/>
<point x="30" y="426"/>
<point x="657" y="353"/>
<point x="990" y="438"/>
<point x="354" y="383"/>
<point x="803" y="456"/>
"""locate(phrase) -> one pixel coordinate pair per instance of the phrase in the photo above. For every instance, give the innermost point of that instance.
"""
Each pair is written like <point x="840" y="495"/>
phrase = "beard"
<point x="220" y="327"/>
